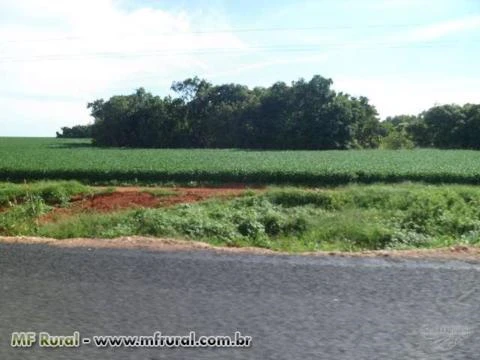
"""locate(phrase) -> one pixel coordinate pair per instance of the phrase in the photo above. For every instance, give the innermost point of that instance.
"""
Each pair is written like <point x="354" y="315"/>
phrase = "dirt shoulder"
<point x="164" y="244"/>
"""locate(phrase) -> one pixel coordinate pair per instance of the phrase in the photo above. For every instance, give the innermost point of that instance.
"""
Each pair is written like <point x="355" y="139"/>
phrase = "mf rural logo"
<point x="444" y="338"/>
<point x="456" y="326"/>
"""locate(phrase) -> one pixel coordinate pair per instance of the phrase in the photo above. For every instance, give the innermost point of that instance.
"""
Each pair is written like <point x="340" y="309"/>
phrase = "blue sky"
<point x="57" y="55"/>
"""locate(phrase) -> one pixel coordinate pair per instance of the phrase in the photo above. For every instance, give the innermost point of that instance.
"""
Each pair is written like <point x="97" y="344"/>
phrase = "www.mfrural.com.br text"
<point x="157" y="339"/>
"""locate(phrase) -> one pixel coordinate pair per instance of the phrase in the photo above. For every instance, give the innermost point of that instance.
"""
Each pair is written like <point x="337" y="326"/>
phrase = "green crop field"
<point x="48" y="158"/>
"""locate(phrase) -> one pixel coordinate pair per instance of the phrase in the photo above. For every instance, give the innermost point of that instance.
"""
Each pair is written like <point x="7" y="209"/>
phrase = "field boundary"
<point x="250" y="178"/>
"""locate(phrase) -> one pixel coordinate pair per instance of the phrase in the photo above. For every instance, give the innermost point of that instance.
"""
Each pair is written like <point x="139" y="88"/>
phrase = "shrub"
<point x="396" y="140"/>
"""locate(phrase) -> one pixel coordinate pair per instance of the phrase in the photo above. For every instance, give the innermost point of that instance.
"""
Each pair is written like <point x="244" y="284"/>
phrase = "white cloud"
<point x="395" y="4"/>
<point x="84" y="49"/>
<point x="438" y="30"/>
<point x="394" y="96"/>
<point x="271" y="62"/>
<point x="32" y="116"/>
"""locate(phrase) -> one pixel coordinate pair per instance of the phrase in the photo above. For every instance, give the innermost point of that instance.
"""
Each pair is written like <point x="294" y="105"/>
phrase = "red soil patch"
<point x="116" y="201"/>
<point x="123" y="198"/>
<point x="134" y="197"/>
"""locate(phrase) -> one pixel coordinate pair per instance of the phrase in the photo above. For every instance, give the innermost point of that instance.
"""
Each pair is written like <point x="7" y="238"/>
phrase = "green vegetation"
<point x="66" y="159"/>
<point x="395" y="140"/>
<point x="442" y="126"/>
<point x="348" y="218"/>
<point x="300" y="115"/>
<point x="22" y="204"/>
<point x="159" y="192"/>
<point x="303" y="115"/>
<point x="76" y="132"/>
<point x="58" y="192"/>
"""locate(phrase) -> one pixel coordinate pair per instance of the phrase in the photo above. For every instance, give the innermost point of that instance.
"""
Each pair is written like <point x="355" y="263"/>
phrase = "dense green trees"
<point x="303" y="115"/>
<point x="442" y="126"/>
<point x="300" y="115"/>
<point x="76" y="132"/>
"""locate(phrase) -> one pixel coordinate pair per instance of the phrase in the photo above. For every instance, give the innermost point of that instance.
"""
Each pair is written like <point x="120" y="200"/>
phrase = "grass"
<point x="22" y="204"/>
<point x="51" y="192"/>
<point x="159" y="192"/>
<point x="47" y="158"/>
<point x="350" y="218"/>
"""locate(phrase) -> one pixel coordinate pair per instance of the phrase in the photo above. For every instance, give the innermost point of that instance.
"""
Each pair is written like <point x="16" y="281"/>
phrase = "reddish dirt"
<point x="135" y="197"/>
<point x="114" y="201"/>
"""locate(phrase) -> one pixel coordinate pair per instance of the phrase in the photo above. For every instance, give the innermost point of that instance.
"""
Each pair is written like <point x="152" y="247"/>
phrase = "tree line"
<point x="300" y="115"/>
<point x="76" y="132"/>
<point x="443" y="126"/>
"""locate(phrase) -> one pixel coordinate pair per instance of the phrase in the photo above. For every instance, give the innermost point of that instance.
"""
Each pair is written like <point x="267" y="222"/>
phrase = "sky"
<point x="56" y="56"/>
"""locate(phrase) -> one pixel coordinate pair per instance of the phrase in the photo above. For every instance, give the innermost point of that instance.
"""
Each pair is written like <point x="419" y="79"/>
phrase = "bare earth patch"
<point x="164" y="244"/>
<point x="137" y="197"/>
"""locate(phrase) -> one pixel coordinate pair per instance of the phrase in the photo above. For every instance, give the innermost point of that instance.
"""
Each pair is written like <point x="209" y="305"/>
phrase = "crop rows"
<point x="35" y="159"/>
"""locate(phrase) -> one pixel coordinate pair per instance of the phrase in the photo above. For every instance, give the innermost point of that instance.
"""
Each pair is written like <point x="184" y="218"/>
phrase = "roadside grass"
<point x="22" y="204"/>
<point x="350" y="218"/>
<point x="51" y="192"/>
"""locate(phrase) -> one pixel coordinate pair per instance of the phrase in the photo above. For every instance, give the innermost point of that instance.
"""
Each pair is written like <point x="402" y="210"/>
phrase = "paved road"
<point x="294" y="307"/>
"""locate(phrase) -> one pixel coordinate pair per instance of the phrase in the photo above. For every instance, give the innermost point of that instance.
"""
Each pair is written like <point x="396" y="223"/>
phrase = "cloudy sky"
<point x="58" y="55"/>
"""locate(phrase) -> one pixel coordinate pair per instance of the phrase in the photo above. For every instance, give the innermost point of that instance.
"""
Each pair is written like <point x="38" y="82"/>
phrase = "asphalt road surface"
<point x="293" y="307"/>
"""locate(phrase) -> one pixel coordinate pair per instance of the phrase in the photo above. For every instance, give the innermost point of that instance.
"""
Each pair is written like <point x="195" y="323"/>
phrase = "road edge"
<point x="469" y="253"/>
